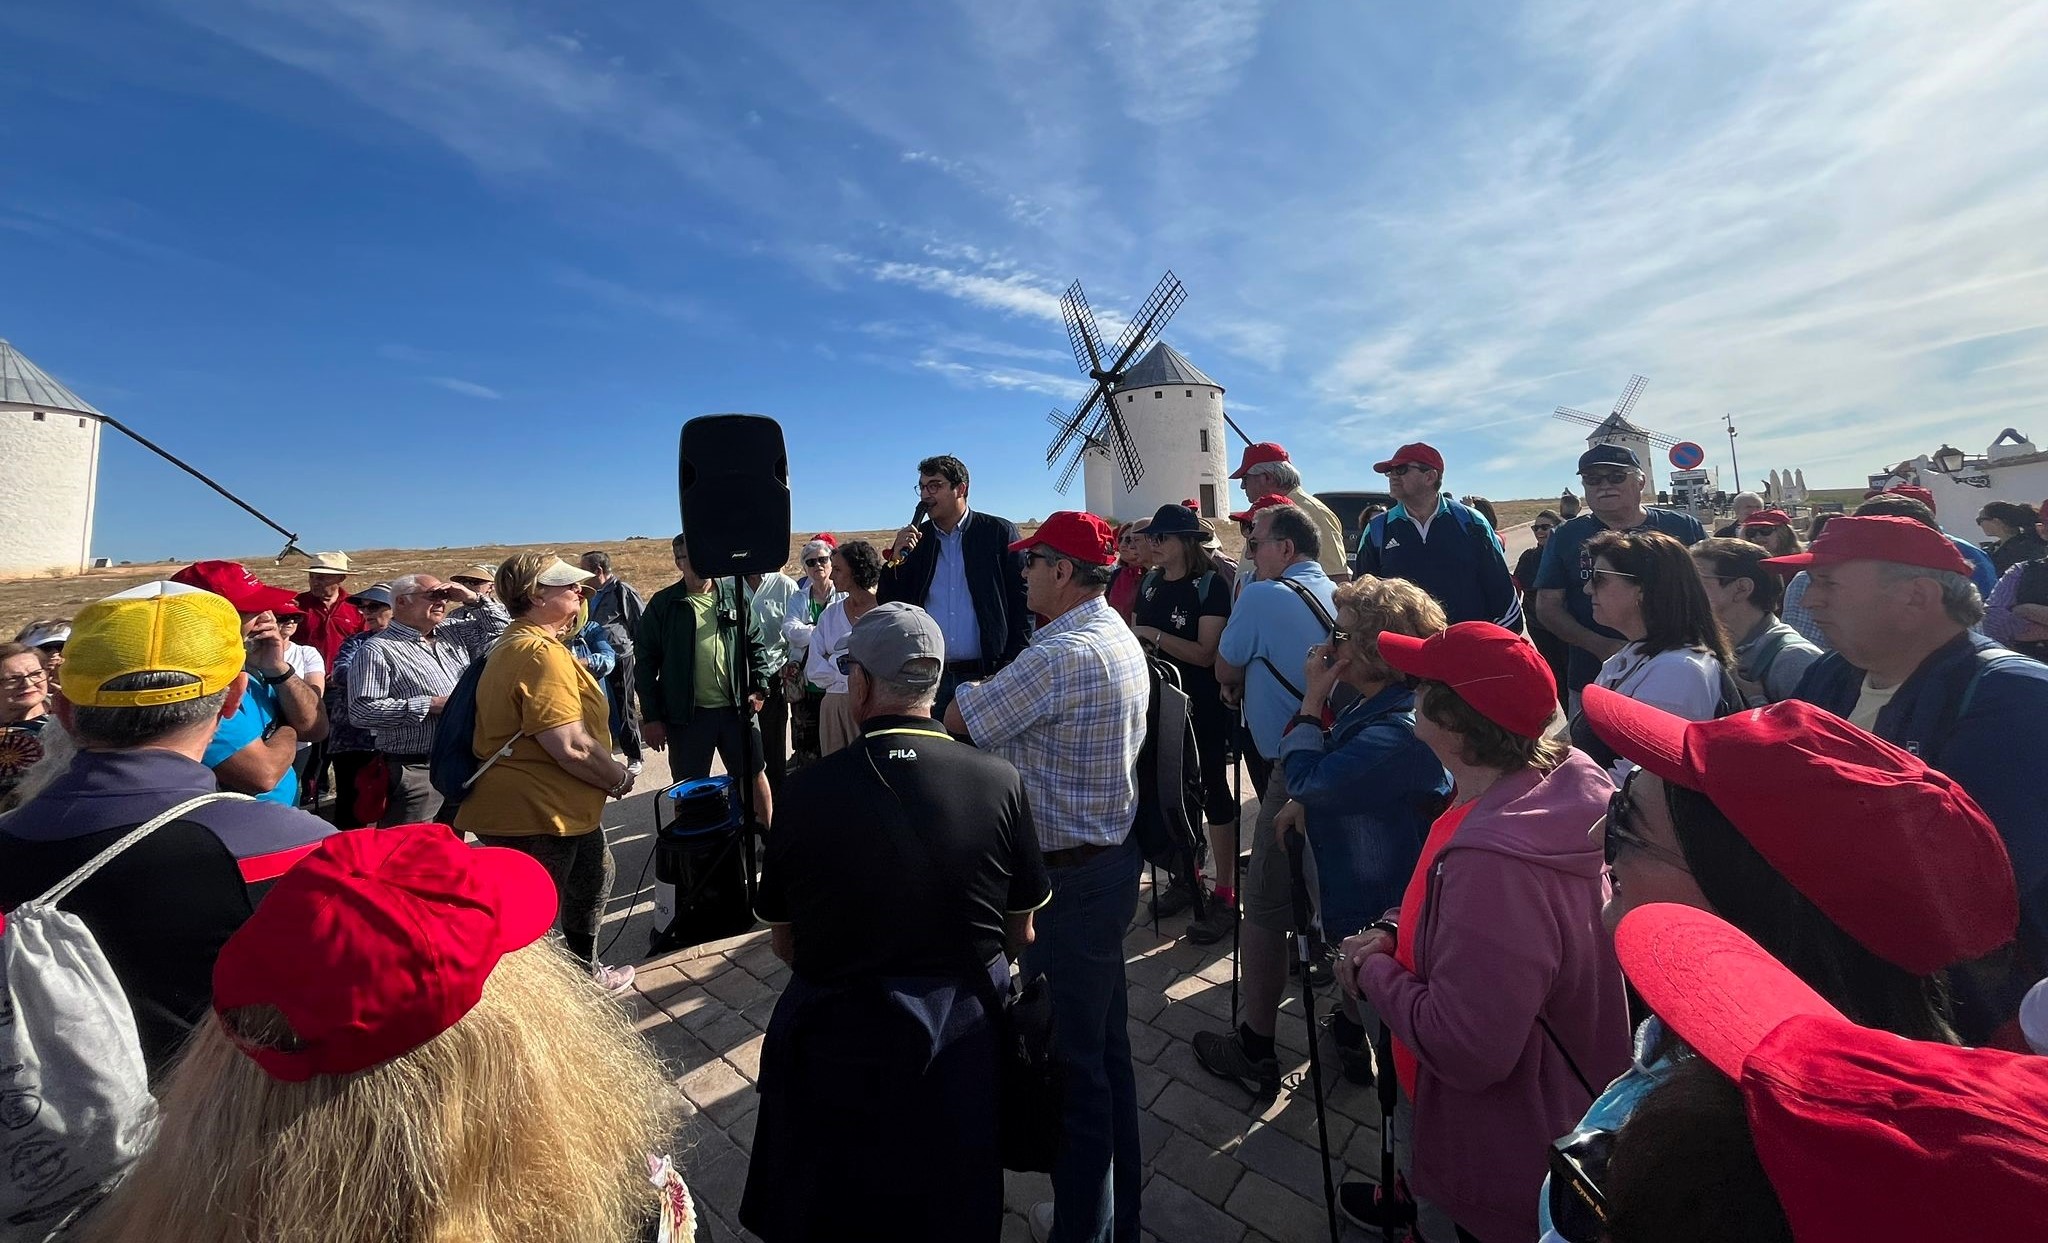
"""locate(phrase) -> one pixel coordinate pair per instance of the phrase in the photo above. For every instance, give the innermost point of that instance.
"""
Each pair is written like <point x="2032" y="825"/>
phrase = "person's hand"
<point x="631" y="781"/>
<point x="756" y="701"/>
<point x="1320" y="673"/>
<point x="436" y="704"/>
<point x="264" y="645"/>
<point x="1355" y="950"/>
<point x="655" y="735"/>
<point x="906" y="539"/>
<point x="1232" y="696"/>
<point x="1292" y="818"/>
<point x="456" y="591"/>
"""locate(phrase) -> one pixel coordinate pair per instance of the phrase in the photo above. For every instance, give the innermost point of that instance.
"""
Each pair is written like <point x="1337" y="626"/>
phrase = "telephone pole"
<point x="1729" y="419"/>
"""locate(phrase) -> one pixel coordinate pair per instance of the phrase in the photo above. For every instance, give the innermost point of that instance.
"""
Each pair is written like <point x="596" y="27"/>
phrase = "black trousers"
<point x="583" y="871"/>
<point x="774" y="722"/>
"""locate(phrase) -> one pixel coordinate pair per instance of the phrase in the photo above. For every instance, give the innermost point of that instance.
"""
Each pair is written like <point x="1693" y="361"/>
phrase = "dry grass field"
<point x="644" y="563"/>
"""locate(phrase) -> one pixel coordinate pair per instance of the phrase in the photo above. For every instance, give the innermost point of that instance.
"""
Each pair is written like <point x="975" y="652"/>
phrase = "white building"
<point x="2011" y="468"/>
<point x="1174" y="415"/>
<point x="49" y="470"/>
<point x="1616" y="430"/>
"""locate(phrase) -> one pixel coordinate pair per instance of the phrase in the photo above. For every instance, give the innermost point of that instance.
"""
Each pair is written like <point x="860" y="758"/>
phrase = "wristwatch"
<point x="1303" y="718"/>
<point x="276" y="679"/>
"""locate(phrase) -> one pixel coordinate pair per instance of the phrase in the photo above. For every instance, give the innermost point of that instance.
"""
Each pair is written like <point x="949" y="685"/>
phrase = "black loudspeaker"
<point x="732" y="479"/>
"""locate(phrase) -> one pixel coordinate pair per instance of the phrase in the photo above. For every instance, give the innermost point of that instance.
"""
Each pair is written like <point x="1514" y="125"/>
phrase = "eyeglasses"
<point x="929" y="486"/>
<point x="1606" y="478"/>
<point x="25" y="679"/>
<point x="844" y="663"/>
<point x="1613" y="573"/>
<point x="1617" y="832"/>
<point x="1035" y="555"/>
<point x="1403" y="469"/>
<point x="1339" y="636"/>
<point x="814" y="562"/>
<point x="1542" y="528"/>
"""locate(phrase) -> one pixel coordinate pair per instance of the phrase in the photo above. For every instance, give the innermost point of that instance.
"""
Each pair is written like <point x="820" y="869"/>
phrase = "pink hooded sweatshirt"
<point x="1510" y="933"/>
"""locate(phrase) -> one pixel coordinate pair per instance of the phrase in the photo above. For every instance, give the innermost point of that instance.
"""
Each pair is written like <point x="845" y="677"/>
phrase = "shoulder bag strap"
<point x="1567" y="1055"/>
<point x="62" y="889"/>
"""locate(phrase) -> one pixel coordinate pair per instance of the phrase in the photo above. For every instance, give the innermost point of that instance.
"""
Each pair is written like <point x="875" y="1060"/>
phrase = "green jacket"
<point x="665" y="652"/>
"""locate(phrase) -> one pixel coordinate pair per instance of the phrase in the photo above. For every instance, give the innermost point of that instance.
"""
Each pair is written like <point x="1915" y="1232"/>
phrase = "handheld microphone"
<point x="894" y="556"/>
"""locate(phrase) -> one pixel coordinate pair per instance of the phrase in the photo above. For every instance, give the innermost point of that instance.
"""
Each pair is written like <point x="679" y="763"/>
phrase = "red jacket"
<point x="327" y="625"/>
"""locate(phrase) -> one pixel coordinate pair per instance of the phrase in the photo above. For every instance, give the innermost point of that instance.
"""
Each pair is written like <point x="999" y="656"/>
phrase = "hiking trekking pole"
<point x="1398" y="1212"/>
<point x="1298" y="884"/>
<point x="1236" y="854"/>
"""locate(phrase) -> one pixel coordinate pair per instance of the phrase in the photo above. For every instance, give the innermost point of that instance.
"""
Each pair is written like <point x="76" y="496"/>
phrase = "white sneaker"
<point x="635" y="767"/>
<point x="1041" y="1221"/>
<point x="615" y="981"/>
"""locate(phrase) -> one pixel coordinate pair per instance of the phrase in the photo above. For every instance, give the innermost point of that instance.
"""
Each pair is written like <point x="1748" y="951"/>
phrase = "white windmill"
<point x="49" y="470"/>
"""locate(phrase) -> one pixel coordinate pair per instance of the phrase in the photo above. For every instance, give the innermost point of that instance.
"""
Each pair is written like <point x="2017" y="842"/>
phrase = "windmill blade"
<point x="1576" y="416"/>
<point x="1144" y="327"/>
<point x="1126" y="454"/>
<point x="1081" y="329"/>
<point x="1091" y="439"/>
<point x="1072" y="427"/>
<point x="1629" y="395"/>
<point x="1660" y="439"/>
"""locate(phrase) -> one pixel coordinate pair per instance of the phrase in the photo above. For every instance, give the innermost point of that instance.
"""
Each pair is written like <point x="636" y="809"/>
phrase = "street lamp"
<point x="1948" y="460"/>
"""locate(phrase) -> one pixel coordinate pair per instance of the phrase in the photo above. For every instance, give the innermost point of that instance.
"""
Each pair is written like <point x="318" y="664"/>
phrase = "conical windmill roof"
<point x="22" y="383"/>
<point x="1163" y="367"/>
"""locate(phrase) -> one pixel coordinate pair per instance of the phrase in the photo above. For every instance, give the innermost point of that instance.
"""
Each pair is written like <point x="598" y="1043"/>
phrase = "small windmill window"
<point x="1191" y="392"/>
<point x="1158" y="393"/>
<point x="38" y="417"/>
<point x="1129" y="398"/>
<point x="1205" y="440"/>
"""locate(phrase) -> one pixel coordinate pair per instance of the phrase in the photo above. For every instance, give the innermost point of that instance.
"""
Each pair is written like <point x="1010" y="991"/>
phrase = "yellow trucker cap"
<point x="159" y="627"/>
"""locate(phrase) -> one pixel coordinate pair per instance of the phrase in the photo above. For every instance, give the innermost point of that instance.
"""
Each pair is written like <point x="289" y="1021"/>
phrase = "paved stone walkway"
<point x="1220" y="1167"/>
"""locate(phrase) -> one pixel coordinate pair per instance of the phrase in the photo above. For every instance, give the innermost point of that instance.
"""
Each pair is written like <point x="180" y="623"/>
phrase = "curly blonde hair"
<point x="1367" y="606"/>
<point x="529" y="1119"/>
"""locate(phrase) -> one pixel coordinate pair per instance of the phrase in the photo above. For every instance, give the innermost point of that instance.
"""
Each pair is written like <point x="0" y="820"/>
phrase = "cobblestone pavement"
<point x="1220" y="1166"/>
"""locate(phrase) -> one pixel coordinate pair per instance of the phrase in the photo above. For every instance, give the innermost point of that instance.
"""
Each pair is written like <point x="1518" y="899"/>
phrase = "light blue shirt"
<point x="949" y="602"/>
<point x="1270" y="620"/>
<point x="258" y="710"/>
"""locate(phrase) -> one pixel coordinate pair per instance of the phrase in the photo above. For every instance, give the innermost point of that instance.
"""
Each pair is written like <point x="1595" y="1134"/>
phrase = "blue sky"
<point x="420" y="272"/>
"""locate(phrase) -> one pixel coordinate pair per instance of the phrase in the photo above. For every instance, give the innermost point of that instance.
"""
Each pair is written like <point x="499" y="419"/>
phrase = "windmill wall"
<point x="49" y="462"/>
<point x="1178" y="433"/>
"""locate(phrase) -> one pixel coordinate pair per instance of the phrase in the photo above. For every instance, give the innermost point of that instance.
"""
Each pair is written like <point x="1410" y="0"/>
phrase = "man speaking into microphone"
<point x="957" y="566"/>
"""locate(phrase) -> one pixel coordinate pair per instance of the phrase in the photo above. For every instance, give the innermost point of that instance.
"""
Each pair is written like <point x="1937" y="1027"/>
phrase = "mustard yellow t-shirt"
<point x="712" y="672"/>
<point x="532" y="683"/>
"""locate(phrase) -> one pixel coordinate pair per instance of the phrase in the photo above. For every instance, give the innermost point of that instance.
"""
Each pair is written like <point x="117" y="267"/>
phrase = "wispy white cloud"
<point x="1015" y="293"/>
<point x="468" y="388"/>
<point x="1176" y="59"/>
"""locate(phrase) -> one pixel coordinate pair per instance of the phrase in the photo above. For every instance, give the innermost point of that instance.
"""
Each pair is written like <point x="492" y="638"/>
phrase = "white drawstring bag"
<point x="75" y="1108"/>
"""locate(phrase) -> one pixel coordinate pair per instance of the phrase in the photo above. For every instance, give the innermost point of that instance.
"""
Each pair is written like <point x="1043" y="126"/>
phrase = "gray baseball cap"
<point x="375" y="593"/>
<point x="900" y="643"/>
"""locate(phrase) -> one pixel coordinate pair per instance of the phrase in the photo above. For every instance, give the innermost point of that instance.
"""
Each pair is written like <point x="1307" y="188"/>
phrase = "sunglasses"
<point x="1403" y="469"/>
<point x="1578" y="1163"/>
<point x="1542" y="528"/>
<point x="1614" y="573"/>
<point x="1035" y="555"/>
<point x="1618" y="832"/>
<point x="1339" y="636"/>
<point x="844" y="664"/>
<point x="1605" y="478"/>
<point x="817" y="561"/>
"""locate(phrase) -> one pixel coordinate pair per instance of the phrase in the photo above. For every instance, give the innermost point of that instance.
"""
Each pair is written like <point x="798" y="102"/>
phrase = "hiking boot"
<point x="1355" y="1059"/>
<point x="1367" y="1205"/>
<point x="1178" y="897"/>
<point x="1214" y="926"/>
<point x="1222" y="1054"/>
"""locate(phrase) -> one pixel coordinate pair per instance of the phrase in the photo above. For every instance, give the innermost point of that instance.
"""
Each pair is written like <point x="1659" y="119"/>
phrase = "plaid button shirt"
<point x="1069" y="713"/>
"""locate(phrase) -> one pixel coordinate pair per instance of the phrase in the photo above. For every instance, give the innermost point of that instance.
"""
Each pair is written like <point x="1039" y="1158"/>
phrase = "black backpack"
<point x="1168" y="825"/>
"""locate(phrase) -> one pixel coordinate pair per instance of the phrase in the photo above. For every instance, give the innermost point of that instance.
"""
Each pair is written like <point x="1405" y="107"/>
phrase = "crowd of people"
<point x="1780" y="785"/>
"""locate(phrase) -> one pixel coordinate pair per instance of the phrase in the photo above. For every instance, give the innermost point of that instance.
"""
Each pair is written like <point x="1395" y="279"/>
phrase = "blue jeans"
<point x="1080" y="950"/>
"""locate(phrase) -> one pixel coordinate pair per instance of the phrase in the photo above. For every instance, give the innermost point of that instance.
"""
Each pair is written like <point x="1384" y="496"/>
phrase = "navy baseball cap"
<point x="1609" y="455"/>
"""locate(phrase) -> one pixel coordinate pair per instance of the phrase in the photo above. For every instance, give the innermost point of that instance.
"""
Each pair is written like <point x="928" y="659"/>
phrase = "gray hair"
<point x="1959" y="596"/>
<point x="1087" y="575"/>
<point x="126" y="728"/>
<point x="1293" y="525"/>
<point x="407" y="585"/>
<point x="899" y="697"/>
<point x="1283" y="475"/>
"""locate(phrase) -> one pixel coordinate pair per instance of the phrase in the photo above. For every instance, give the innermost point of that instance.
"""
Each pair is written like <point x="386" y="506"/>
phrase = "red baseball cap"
<point x="1073" y="533"/>
<point x="1268" y="501"/>
<point x="1907" y="490"/>
<point x="1261" y="454"/>
<point x="1893" y="538"/>
<point x="377" y="942"/>
<point x="1865" y="1135"/>
<point x="232" y="581"/>
<point x="1420" y="454"/>
<point x="1767" y="518"/>
<point x="824" y="537"/>
<point x="1495" y="670"/>
<point x="1897" y="854"/>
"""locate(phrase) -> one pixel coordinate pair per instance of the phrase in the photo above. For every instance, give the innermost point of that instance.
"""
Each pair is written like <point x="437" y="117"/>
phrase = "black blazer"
<point x="995" y="581"/>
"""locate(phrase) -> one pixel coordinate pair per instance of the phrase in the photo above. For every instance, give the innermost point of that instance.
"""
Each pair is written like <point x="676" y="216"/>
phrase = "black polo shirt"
<point x="901" y="854"/>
